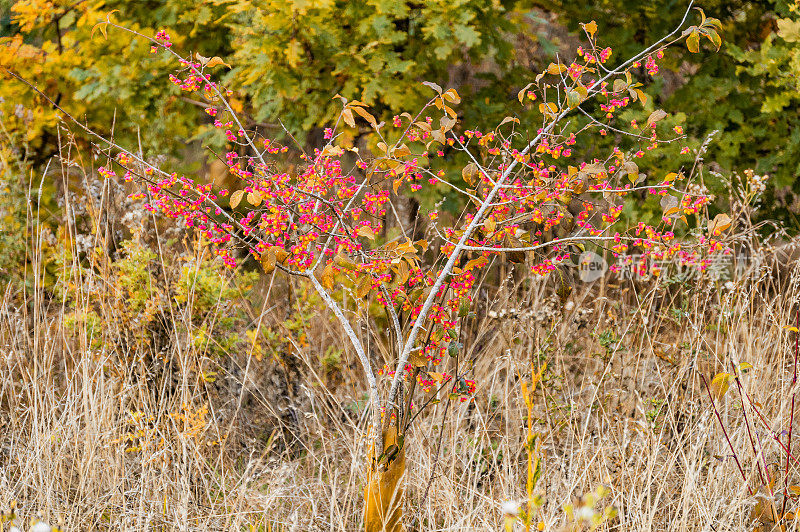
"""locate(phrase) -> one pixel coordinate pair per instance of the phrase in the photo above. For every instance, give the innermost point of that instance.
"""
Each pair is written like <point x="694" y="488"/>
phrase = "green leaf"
<point x="573" y="99"/>
<point x="715" y="39"/>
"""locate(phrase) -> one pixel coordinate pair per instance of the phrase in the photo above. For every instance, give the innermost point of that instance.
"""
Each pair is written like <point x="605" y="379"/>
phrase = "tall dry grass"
<point x="101" y="431"/>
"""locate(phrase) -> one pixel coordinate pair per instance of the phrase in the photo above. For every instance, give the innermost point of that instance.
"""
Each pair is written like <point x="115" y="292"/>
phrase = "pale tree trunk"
<point x="384" y="494"/>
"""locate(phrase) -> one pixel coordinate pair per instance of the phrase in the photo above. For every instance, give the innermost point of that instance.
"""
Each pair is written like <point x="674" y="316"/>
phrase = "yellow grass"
<point x="119" y="436"/>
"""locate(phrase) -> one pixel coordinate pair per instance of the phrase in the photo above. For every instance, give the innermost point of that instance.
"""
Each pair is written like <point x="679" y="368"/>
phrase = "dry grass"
<point x="101" y="431"/>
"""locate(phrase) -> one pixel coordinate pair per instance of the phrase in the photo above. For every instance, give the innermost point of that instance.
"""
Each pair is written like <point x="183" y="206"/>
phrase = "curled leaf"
<point x="508" y="119"/>
<point x="214" y="61"/>
<point x="434" y="86"/>
<point x="523" y="91"/>
<point x="102" y="26"/>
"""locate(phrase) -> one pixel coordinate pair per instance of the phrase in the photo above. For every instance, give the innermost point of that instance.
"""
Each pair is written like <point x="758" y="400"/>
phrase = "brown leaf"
<point x="720" y="223"/>
<point x="364" y="286"/>
<point x="347" y="116"/>
<point x="215" y="61"/>
<point x="366" y="231"/>
<point x="655" y="116"/>
<point x="236" y="198"/>
<point x="471" y="174"/>
<point x="280" y="254"/>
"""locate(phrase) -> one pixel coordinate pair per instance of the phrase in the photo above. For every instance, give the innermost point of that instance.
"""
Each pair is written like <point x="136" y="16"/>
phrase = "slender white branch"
<point x="362" y="357"/>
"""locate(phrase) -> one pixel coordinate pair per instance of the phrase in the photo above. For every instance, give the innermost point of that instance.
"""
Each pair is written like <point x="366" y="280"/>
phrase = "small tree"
<point x="524" y="197"/>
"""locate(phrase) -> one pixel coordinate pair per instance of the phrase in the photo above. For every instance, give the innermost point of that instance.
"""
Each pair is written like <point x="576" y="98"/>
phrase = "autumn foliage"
<point x="521" y="194"/>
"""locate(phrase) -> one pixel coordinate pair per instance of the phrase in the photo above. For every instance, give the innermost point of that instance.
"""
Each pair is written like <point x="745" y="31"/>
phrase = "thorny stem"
<point x="756" y="452"/>
<point x="772" y="433"/>
<point x="791" y="416"/>
<point x="725" y="432"/>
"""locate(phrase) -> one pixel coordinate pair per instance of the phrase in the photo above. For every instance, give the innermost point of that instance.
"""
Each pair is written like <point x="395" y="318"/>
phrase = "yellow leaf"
<point x="470" y="173"/>
<point x="480" y="262"/>
<point x="720" y="384"/>
<point x="254" y="199"/>
<point x="364" y="286"/>
<point x="293" y="52"/>
<point x="401" y="151"/>
<point x="591" y="28"/>
<point x="331" y="151"/>
<point x="632" y="170"/>
<point x="268" y="261"/>
<point x="417" y="360"/>
<point x="328" y="277"/>
<point x="451" y="95"/>
<point x="508" y="119"/>
<point x="364" y="114"/>
<point x="436" y="377"/>
<point x="102" y="26"/>
<point x="344" y="262"/>
<point x="402" y="271"/>
<point x="693" y="42"/>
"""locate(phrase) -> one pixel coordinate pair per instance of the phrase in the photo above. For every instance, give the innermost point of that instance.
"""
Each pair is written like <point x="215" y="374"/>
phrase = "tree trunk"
<point x="384" y="494"/>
